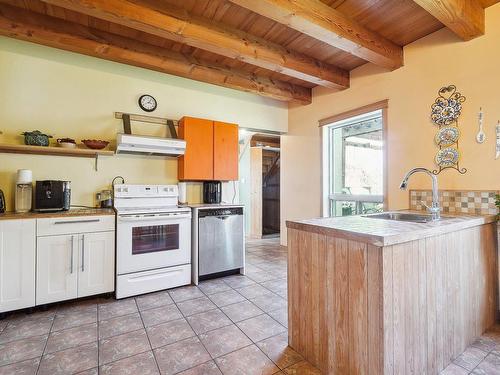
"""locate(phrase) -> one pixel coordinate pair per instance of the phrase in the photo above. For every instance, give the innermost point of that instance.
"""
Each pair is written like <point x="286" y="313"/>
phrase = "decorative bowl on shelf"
<point x="95" y="144"/>
<point x="36" y="138"/>
<point x="66" y="142"/>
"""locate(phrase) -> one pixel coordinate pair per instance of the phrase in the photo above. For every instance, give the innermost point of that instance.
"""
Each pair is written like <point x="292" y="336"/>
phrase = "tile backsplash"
<point x="457" y="201"/>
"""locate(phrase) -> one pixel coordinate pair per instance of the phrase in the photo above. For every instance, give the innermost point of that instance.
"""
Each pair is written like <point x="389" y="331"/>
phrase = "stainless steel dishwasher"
<point x="219" y="241"/>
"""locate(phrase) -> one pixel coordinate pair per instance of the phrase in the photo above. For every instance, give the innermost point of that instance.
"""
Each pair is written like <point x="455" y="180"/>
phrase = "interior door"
<point x="57" y="273"/>
<point x="17" y="264"/>
<point x="96" y="263"/>
<point x="225" y="151"/>
<point x="198" y="161"/>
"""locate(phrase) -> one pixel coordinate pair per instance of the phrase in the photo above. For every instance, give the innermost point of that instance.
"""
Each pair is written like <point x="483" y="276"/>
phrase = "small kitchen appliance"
<point x="24" y="191"/>
<point x="52" y="195"/>
<point x="105" y="199"/>
<point x="212" y="192"/>
<point x="153" y="239"/>
<point x="2" y="202"/>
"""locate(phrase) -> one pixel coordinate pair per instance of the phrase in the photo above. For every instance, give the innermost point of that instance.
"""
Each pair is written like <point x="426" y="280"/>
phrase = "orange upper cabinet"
<point x="198" y="161"/>
<point x="211" y="150"/>
<point x="225" y="151"/>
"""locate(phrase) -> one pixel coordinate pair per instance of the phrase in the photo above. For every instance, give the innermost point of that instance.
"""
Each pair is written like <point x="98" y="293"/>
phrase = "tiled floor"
<point x="236" y="325"/>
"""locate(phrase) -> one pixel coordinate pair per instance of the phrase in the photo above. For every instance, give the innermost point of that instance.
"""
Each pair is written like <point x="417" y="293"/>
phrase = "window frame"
<point x="324" y="126"/>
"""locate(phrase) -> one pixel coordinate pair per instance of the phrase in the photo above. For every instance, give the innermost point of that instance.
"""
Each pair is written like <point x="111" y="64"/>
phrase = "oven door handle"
<point x="124" y="219"/>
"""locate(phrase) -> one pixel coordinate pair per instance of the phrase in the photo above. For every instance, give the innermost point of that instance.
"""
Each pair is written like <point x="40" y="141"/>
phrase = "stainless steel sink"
<point x="399" y="216"/>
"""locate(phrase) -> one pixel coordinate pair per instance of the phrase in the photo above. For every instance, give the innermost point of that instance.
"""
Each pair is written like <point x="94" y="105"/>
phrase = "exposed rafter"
<point x="49" y="31"/>
<point x="225" y="41"/>
<point x="322" y="22"/>
<point x="464" y="17"/>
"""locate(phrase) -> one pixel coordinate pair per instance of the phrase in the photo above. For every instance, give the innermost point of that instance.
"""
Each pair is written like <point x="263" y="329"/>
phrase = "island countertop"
<point x="381" y="232"/>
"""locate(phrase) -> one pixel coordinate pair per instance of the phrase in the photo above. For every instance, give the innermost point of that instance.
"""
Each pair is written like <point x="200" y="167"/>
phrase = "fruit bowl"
<point x="95" y="144"/>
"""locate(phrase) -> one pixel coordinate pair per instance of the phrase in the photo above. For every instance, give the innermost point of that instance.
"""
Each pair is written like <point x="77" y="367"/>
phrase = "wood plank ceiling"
<point x="275" y="48"/>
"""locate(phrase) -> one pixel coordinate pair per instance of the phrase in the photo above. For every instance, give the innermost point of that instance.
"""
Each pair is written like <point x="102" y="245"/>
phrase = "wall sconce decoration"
<point x="445" y="112"/>
<point x="480" y="137"/>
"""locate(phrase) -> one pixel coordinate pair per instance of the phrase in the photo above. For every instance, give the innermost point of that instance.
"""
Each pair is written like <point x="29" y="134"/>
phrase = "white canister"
<point x="182" y="192"/>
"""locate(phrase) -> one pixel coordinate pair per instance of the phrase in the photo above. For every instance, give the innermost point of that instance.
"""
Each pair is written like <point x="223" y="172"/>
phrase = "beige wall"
<point x="430" y="63"/>
<point x="71" y="95"/>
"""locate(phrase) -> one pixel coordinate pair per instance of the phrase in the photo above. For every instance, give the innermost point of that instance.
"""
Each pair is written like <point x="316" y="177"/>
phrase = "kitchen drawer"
<point x="133" y="284"/>
<point x="74" y="224"/>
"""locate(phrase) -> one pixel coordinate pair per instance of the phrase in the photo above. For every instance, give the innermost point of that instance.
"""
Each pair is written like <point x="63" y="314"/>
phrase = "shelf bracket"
<point x="126" y="123"/>
<point x="96" y="164"/>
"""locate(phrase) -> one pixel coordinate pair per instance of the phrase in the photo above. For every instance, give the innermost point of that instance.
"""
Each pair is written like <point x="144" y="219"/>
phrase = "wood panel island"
<point x="372" y="296"/>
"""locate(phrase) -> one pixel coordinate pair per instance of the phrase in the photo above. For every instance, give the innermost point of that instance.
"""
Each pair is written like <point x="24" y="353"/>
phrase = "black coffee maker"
<point x="212" y="192"/>
<point x="2" y="202"/>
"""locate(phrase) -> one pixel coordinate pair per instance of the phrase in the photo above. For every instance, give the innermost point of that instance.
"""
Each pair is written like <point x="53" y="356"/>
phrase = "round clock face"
<point x="147" y="103"/>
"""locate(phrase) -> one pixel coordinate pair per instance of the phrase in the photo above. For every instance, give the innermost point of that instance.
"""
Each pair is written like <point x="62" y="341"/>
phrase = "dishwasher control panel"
<point x="221" y="211"/>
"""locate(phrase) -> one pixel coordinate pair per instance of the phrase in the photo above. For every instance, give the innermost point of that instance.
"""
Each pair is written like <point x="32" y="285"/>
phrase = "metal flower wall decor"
<point x="445" y="112"/>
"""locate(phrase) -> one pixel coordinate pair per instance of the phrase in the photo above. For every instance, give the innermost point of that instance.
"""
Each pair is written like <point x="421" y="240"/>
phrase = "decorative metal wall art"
<point x="445" y="112"/>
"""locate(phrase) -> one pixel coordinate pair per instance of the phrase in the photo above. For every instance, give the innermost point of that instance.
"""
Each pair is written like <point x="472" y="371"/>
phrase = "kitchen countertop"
<point x="70" y="213"/>
<point x="212" y="205"/>
<point x="381" y="232"/>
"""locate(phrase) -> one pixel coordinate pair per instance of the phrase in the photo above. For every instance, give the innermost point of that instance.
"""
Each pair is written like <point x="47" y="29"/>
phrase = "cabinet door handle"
<point x="77" y="221"/>
<point x="83" y="253"/>
<point x="72" y="249"/>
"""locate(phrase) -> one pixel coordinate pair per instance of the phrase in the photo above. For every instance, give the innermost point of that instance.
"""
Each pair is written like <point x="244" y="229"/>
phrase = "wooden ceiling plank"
<point x="222" y="40"/>
<point x="53" y="32"/>
<point x="322" y="22"/>
<point x="464" y="17"/>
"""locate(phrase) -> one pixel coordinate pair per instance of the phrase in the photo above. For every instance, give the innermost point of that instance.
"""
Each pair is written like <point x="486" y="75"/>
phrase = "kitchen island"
<point x="373" y="296"/>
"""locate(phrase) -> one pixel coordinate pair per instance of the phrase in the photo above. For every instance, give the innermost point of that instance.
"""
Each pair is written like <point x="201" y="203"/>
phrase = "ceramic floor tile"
<point x="213" y="286"/>
<point x="269" y="302"/>
<point x="143" y="364"/>
<point x="277" y="349"/>
<point x="17" y="330"/>
<point x="275" y="285"/>
<point x="224" y="340"/>
<point x="167" y="333"/>
<point x="28" y="367"/>
<point x="69" y="361"/>
<point x="241" y="311"/>
<point x="302" y="368"/>
<point x="238" y="281"/>
<point x="208" y="368"/>
<point x="253" y="291"/>
<point x="185" y="293"/>
<point x="261" y="276"/>
<point x="181" y="356"/>
<point x="119" y="325"/>
<point x="91" y="371"/>
<point x="152" y="300"/>
<point x="116" y="308"/>
<point x="160" y="315"/>
<point x="195" y="306"/>
<point x="74" y="319"/>
<point x="470" y="358"/>
<point x="248" y="361"/>
<point x="489" y="366"/>
<point x="486" y="344"/>
<point x="208" y="321"/>
<point x="281" y="316"/>
<point x="80" y="306"/>
<point x="261" y="327"/>
<point x="226" y="298"/>
<point x="69" y="338"/>
<point x="122" y="346"/>
<point x="453" y="369"/>
<point x="16" y="351"/>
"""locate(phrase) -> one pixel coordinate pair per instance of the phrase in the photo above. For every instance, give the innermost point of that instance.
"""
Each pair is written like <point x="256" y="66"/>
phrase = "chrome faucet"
<point x="435" y="209"/>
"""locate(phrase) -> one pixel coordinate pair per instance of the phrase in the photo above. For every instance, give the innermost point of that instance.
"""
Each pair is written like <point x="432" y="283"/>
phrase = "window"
<point x="353" y="165"/>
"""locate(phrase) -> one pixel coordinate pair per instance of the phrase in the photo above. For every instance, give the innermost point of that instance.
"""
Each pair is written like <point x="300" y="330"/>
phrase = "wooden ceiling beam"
<point x="225" y="41"/>
<point x="464" y="17"/>
<point x="322" y="22"/>
<point x="57" y="33"/>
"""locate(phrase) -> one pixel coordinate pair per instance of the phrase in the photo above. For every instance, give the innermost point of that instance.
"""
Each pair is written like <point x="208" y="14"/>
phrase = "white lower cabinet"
<point x="96" y="263"/>
<point x="57" y="268"/>
<point x="17" y="264"/>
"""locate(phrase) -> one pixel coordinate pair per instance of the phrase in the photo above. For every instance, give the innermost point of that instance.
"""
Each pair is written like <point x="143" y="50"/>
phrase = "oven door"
<point x="145" y="242"/>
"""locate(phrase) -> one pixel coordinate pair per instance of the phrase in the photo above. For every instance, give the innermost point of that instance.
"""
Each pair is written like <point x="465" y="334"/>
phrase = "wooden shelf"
<point x="55" y="151"/>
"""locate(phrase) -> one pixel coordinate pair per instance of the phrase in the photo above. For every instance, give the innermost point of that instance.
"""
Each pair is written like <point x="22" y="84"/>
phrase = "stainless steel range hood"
<point x="139" y="144"/>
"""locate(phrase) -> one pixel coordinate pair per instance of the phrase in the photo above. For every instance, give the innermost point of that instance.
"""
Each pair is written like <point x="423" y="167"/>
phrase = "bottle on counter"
<point x="24" y="191"/>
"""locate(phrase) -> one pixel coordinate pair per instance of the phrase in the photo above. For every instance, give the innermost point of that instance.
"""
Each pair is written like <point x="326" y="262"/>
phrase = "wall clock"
<point x="147" y="103"/>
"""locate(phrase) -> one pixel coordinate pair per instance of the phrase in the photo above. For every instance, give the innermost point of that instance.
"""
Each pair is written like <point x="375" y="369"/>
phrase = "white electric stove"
<point x="153" y="239"/>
